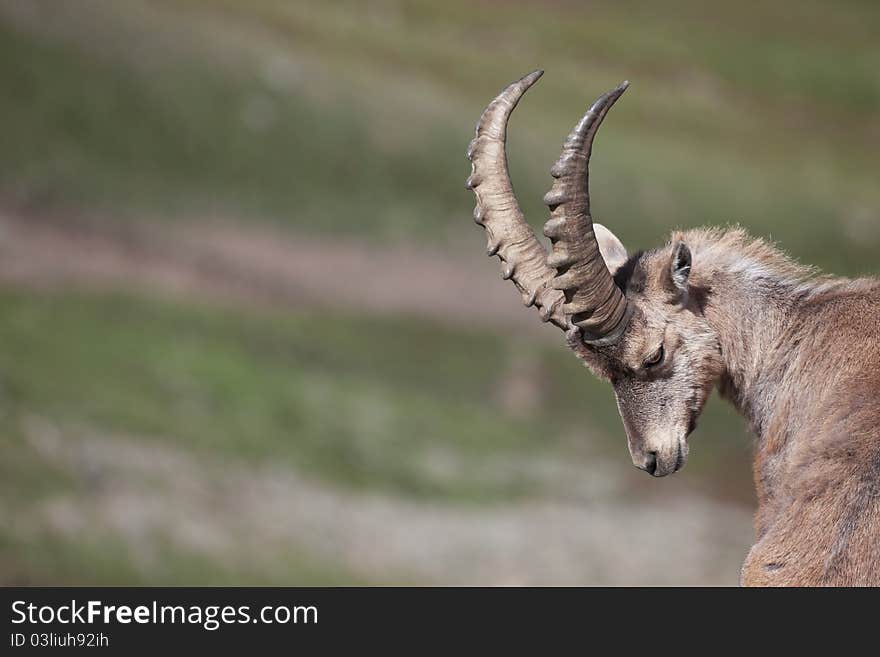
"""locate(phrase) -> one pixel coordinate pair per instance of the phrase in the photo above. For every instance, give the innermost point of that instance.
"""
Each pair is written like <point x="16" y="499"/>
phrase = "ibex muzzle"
<point x="799" y="356"/>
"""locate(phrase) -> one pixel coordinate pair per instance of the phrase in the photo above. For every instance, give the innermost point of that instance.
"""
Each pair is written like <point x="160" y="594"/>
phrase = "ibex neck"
<point x="751" y="304"/>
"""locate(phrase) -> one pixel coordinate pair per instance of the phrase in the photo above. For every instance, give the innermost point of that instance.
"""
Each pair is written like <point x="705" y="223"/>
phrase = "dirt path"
<point x="256" y="265"/>
<point x="144" y="493"/>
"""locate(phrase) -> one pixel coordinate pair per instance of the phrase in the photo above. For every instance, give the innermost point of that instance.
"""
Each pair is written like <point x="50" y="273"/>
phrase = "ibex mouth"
<point x="681" y="457"/>
<point x="669" y="462"/>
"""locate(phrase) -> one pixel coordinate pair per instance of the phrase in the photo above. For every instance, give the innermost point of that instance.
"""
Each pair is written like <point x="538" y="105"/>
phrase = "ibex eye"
<point x="654" y="358"/>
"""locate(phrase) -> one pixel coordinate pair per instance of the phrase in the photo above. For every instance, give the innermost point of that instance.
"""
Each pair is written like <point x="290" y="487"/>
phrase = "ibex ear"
<point x="680" y="267"/>
<point x="612" y="249"/>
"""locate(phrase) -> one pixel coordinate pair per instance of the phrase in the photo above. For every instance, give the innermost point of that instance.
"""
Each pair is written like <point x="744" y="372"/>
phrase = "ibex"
<point x="797" y="354"/>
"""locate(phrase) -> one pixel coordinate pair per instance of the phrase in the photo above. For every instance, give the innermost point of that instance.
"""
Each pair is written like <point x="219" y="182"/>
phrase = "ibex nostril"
<point x="648" y="464"/>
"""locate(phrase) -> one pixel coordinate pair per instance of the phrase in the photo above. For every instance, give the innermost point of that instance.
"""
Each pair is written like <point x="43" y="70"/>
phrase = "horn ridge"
<point x="593" y="301"/>
<point x="523" y="257"/>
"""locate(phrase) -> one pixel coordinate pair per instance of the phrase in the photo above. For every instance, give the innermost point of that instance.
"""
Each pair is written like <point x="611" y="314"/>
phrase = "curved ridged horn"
<point x="592" y="299"/>
<point x="523" y="257"/>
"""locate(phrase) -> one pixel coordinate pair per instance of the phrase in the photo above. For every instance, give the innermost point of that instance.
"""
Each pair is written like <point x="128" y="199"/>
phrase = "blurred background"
<point x="248" y="331"/>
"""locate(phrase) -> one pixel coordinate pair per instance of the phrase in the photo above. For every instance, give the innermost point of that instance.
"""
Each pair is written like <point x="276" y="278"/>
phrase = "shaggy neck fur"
<point x="753" y="296"/>
<point x="802" y="364"/>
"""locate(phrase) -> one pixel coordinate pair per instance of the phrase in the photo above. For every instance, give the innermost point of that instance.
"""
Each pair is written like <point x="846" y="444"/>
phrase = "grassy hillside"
<point x="386" y="405"/>
<point x="156" y="441"/>
<point x="338" y="117"/>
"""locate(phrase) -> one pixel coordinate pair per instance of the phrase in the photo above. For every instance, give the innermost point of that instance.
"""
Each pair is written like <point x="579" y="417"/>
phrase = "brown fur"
<point x="799" y="356"/>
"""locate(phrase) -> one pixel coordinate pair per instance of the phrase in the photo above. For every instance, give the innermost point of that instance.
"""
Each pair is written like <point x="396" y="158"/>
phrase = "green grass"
<point x="362" y="402"/>
<point x="102" y="559"/>
<point x="99" y="135"/>
<point x="331" y="118"/>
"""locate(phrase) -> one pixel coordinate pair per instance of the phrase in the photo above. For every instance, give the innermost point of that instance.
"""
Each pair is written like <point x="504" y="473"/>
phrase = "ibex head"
<point x="636" y="321"/>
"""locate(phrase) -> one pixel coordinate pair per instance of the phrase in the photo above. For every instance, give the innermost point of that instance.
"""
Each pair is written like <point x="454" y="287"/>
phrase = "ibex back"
<point x="797" y="354"/>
